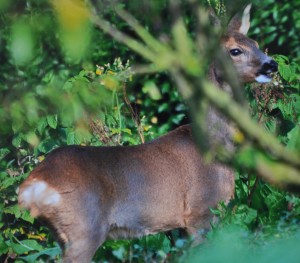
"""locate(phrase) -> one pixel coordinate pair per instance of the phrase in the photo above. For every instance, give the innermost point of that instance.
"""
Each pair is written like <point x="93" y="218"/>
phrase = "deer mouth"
<point x="263" y="78"/>
<point x="264" y="75"/>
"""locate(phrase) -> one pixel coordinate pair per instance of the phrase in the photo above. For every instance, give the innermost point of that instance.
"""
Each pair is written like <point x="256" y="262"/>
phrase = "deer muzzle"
<point x="263" y="75"/>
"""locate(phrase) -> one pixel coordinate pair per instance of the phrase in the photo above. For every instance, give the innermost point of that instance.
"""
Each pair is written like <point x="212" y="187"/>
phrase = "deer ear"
<point x="240" y="23"/>
<point x="213" y="18"/>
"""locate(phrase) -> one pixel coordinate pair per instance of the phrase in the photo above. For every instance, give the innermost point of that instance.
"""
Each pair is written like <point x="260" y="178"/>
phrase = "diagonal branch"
<point x="164" y="57"/>
<point x="135" y="45"/>
<point x="151" y="42"/>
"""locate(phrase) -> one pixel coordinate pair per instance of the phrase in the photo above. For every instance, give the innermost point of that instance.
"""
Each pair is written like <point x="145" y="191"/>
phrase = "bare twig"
<point x="134" y="115"/>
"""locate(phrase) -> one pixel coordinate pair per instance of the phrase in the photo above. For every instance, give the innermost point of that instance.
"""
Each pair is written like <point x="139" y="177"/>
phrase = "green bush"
<point x="50" y="98"/>
<point x="275" y="25"/>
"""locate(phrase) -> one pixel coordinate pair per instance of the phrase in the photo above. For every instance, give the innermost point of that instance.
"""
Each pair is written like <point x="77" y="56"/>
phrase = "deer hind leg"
<point x="81" y="249"/>
<point x="83" y="228"/>
<point x="79" y="236"/>
<point x="82" y="232"/>
<point x="199" y="226"/>
<point x="78" y="239"/>
<point x="73" y="217"/>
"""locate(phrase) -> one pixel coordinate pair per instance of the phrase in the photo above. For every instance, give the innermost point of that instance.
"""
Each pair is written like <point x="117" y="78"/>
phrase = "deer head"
<point x="250" y="62"/>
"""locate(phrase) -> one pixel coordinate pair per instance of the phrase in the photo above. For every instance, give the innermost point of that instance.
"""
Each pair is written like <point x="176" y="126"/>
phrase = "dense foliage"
<point x="54" y="93"/>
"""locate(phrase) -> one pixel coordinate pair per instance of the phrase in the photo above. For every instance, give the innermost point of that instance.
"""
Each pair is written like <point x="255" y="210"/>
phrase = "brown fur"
<point x="125" y="192"/>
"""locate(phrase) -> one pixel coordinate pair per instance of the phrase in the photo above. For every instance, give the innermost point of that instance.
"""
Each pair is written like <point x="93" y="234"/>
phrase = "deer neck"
<point x="218" y="127"/>
<point x="215" y="76"/>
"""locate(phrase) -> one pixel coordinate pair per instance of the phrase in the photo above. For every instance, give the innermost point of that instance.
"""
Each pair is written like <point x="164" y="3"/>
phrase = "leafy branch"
<point x="272" y="161"/>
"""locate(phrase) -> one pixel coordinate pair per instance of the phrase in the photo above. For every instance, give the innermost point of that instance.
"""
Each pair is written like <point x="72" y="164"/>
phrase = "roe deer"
<point x="89" y="194"/>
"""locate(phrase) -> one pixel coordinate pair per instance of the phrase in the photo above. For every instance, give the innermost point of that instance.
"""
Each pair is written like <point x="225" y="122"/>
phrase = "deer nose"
<point x="270" y="66"/>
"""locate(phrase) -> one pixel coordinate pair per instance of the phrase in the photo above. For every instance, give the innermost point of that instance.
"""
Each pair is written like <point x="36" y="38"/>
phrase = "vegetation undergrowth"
<point x="51" y="105"/>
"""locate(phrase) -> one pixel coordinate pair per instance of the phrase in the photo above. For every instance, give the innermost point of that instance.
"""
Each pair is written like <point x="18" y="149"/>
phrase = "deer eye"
<point x="235" y="52"/>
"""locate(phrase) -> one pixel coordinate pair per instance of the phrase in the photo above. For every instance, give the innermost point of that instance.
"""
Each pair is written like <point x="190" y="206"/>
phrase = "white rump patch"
<point x="263" y="79"/>
<point x="39" y="193"/>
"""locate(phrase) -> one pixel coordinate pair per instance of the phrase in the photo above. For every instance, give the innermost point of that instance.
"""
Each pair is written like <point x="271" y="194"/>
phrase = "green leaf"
<point x="270" y="29"/>
<point x="163" y="107"/>
<point x="281" y="40"/>
<point x="68" y="85"/>
<point x="216" y="212"/>
<point x="281" y="59"/>
<point x="82" y="135"/>
<point x="245" y="215"/>
<point x="51" y="252"/>
<point x="47" y="145"/>
<point x="126" y="130"/>
<point x="3" y="246"/>
<point x="286" y="71"/>
<point x="270" y="126"/>
<point x="17" y="140"/>
<point x="115" y="131"/>
<point x="82" y="73"/>
<point x="286" y="109"/>
<point x="71" y="138"/>
<point x="178" y="118"/>
<point x="48" y="77"/>
<point x="25" y="215"/>
<point x="7" y="182"/>
<point x="110" y="120"/>
<point x="3" y="153"/>
<point x="24" y="246"/>
<point x="14" y="210"/>
<point x="41" y="125"/>
<point x="152" y="90"/>
<point x="294" y="139"/>
<point x="119" y="253"/>
<point x="52" y="121"/>
<point x="276" y="204"/>
<point x="270" y="38"/>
